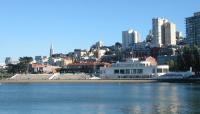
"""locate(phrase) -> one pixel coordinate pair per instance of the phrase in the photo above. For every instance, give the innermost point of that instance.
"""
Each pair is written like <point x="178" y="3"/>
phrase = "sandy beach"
<point x="77" y="81"/>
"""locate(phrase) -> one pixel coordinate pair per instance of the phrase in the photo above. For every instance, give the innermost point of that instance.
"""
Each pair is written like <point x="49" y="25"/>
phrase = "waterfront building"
<point x="193" y="29"/>
<point x="129" y="37"/>
<point x="44" y="69"/>
<point x="84" y="67"/>
<point x="164" y="32"/>
<point x="133" y="68"/>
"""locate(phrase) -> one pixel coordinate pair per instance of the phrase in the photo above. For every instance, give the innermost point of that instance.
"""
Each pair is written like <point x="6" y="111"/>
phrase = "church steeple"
<point x="51" y="50"/>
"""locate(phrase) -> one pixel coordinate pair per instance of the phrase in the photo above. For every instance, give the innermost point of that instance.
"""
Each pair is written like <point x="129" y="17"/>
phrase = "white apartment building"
<point x="164" y="32"/>
<point x="170" y="34"/>
<point x="129" y="37"/>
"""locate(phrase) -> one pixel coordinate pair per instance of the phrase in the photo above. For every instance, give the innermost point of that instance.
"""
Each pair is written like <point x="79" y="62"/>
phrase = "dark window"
<point x="139" y="71"/>
<point x="165" y="70"/>
<point x="122" y="71"/>
<point x="159" y="70"/>
<point x="127" y="71"/>
<point x="116" y="71"/>
<point x="133" y="71"/>
<point x="153" y="71"/>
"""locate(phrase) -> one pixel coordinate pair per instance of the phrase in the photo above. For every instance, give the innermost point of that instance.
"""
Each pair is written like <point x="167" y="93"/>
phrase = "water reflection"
<point x="164" y="99"/>
<point x="111" y="98"/>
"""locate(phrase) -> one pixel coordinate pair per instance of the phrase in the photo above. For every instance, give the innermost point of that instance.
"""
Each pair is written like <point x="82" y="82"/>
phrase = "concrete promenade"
<point x="77" y="81"/>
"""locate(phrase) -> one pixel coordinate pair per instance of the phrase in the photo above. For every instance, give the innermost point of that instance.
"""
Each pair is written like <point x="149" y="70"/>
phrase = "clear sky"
<point x="28" y="27"/>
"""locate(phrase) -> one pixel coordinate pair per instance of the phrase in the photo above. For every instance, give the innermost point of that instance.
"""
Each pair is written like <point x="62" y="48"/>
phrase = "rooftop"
<point x="197" y="14"/>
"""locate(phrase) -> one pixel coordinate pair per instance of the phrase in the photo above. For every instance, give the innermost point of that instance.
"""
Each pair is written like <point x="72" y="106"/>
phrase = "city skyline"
<point x="29" y="27"/>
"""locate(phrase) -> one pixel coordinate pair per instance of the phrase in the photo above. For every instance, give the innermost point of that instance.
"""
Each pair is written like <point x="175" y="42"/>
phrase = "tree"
<point x="25" y="60"/>
<point x="195" y="59"/>
<point x="172" y="65"/>
<point x="24" y="64"/>
<point x="12" y="68"/>
<point x="189" y="57"/>
<point x="21" y="67"/>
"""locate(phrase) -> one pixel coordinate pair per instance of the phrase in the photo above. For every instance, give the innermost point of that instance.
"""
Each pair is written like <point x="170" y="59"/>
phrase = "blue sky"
<point x="28" y="27"/>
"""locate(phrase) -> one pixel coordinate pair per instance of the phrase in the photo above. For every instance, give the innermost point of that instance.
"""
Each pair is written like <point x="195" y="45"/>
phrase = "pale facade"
<point x="157" y="31"/>
<point x="164" y="32"/>
<point x="129" y="37"/>
<point x="133" y="68"/>
<point x="170" y="34"/>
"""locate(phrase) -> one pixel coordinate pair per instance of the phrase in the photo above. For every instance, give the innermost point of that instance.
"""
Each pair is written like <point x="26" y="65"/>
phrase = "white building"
<point x="157" y="31"/>
<point x="170" y="34"/>
<point x="41" y="59"/>
<point x="129" y="37"/>
<point x="100" y="53"/>
<point x="2" y="66"/>
<point x="164" y="32"/>
<point x="99" y="44"/>
<point x="179" y="35"/>
<point x="133" y="68"/>
<point x="78" y="53"/>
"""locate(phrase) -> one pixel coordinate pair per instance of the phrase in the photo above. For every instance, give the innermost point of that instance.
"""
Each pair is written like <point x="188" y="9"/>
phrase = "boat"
<point x="94" y="78"/>
<point x="178" y="77"/>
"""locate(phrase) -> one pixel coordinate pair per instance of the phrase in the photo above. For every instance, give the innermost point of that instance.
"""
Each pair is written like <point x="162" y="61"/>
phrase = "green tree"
<point x="189" y="57"/>
<point x="24" y="64"/>
<point x="172" y="65"/>
<point x="195" y="58"/>
<point x="25" y="60"/>
<point x="12" y="68"/>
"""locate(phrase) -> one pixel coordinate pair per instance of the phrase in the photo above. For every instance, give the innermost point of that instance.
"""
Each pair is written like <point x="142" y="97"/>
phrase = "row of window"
<point x="130" y="65"/>
<point x="136" y="76"/>
<point x="128" y="71"/>
<point x="137" y="71"/>
<point x="159" y="70"/>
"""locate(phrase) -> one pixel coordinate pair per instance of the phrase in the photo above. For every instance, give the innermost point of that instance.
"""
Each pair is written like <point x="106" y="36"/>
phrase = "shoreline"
<point x="77" y="81"/>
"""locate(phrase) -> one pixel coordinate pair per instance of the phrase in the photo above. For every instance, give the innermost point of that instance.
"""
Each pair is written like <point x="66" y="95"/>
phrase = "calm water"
<point x="100" y="98"/>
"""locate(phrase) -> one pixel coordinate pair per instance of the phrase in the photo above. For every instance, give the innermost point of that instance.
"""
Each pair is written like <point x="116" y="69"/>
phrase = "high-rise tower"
<point x="129" y="37"/>
<point x="164" y="32"/>
<point x="51" y="50"/>
<point x="193" y="29"/>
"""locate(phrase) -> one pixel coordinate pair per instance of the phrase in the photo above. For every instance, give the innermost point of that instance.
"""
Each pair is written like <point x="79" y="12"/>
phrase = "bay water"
<point x="100" y="98"/>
